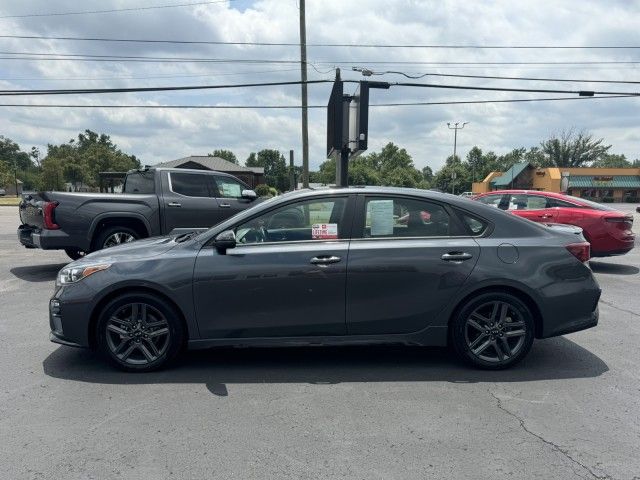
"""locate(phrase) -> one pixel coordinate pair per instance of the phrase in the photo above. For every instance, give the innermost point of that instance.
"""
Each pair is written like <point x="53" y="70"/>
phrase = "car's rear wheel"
<point x="494" y="330"/>
<point x="139" y="332"/>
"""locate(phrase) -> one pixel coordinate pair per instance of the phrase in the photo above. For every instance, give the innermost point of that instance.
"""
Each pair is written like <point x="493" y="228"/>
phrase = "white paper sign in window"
<point x="381" y="217"/>
<point x="324" y="231"/>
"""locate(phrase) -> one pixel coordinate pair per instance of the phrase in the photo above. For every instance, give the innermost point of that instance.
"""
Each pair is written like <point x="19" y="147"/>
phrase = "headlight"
<point x="75" y="274"/>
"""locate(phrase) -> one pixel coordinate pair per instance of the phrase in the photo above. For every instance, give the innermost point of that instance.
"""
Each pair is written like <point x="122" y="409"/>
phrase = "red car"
<point x="608" y="230"/>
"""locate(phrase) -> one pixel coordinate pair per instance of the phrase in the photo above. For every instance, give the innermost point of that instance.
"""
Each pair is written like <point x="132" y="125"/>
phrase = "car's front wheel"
<point x="494" y="330"/>
<point x="139" y="332"/>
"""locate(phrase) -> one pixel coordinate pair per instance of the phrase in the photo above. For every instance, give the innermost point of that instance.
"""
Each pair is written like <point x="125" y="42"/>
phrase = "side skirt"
<point x="431" y="337"/>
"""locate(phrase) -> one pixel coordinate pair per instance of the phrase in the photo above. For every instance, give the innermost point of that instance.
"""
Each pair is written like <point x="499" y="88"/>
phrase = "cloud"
<point x="156" y="135"/>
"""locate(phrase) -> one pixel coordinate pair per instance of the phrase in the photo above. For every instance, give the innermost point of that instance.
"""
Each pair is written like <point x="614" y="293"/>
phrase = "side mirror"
<point x="225" y="240"/>
<point x="249" y="194"/>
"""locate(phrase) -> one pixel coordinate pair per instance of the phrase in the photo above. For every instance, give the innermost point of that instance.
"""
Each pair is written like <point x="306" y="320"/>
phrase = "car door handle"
<point x="546" y="215"/>
<point x="225" y="205"/>
<point x="174" y="204"/>
<point x="456" y="256"/>
<point x="325" y="260"/>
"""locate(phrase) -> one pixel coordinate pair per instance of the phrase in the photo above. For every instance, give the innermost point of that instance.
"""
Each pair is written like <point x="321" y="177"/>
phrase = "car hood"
<point x="140" y="249"/>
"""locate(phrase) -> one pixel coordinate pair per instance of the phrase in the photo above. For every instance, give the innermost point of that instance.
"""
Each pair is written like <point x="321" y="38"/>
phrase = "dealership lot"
<point x="569" y="410"/>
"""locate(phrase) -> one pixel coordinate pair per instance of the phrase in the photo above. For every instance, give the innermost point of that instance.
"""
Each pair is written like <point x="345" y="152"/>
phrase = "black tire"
<point x="74" y="254"/>
<point x="468" y="340"/>
<point x="137" y="361"/>
<point x="104" y="236"/>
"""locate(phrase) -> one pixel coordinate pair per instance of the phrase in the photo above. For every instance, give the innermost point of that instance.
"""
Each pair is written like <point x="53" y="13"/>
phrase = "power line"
<point x="367" y="73"/>
<point x="148" y="77"/>
<point x="86" y="91"/>
<point x="287" y="107"/>
<point x="114" y="10"/>
<point x="349" y="45"/>
<point x="141" y="58"/>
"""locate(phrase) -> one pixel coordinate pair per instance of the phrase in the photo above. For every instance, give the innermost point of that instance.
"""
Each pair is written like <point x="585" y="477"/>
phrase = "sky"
<point x="156" y="135"/>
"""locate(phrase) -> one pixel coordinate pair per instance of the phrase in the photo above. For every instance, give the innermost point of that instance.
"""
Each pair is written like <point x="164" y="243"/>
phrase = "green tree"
<point x="611" y="160"/>
<point x="276" y="173"/>
<point x="13" y="156"/>
<point x="226" y="154"/>
<point x="570" y="149"/>
<point x="5" y="174"/>
<point x="82" y="160"/>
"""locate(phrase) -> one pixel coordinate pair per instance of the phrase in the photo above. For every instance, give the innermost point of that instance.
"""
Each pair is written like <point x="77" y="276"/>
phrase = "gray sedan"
<point x="331" y="267"/>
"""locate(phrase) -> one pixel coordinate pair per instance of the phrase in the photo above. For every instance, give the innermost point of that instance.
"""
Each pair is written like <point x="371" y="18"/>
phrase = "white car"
<point x="466" y="194"/>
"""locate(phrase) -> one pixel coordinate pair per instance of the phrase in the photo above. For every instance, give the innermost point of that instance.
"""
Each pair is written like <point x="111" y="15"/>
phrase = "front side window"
<point x="318" y="219"/>
<point x="404" y="217"/>
<point x="228" y="187"/>
<point x="190" y="184"/>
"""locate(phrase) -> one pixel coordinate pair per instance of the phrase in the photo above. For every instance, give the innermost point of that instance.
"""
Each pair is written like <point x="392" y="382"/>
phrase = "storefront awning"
<point x="611" y="181"/>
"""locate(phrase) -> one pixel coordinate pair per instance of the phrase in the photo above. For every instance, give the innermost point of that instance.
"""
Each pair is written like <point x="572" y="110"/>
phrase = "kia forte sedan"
<point x="353" y="265"/>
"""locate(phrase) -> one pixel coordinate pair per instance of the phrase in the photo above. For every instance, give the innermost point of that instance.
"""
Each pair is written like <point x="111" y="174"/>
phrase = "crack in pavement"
<point x="554" y="446"/>
<point x="618" y="308"/>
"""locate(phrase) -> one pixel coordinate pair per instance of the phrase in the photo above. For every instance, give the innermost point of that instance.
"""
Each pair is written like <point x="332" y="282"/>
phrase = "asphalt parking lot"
<point x="570" y="410"/>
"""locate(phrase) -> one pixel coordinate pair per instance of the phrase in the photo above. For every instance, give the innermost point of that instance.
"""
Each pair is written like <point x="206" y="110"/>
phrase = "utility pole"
<point x="455" y="129"/>
<point x="15" y="175"/>
<point x="292" y="173"/>
<point x="303" y="75"/>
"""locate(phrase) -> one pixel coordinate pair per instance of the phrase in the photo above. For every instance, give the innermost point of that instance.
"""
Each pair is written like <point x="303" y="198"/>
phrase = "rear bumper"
<point x="32" y="237"/>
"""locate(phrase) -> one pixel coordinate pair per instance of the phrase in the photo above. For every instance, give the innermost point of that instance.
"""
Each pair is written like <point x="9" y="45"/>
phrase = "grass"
<point x="9" y="201"/>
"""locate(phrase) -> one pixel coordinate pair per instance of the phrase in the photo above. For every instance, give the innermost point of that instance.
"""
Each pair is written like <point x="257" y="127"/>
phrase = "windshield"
<point x="594" y="205"/>
<point x="139" y="182"/>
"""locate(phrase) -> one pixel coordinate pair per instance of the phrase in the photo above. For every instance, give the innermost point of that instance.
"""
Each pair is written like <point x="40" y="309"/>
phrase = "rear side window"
<point x="140" y="182"/>
<point x="527" y="202"/>
<point x="190" y="184"/>
<point x="491" y="200"/>
<point x="474" y="226"/>
<point x="554" y="202"/>
<point x="404" y="217"/>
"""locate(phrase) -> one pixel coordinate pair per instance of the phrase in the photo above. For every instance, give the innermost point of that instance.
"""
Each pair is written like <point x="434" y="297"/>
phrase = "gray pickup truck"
<point x="155" y="201"/>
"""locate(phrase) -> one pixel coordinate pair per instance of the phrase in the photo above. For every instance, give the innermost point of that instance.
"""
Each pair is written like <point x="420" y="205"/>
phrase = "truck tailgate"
<point x="30" y="210"/>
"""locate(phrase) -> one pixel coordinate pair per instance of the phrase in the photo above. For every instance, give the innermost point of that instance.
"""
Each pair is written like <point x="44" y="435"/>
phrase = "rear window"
<point x="594" y="205"/>
<point x="473" y="225"/>
<point x="140" y="182"/>
<point x="190" y="184"/>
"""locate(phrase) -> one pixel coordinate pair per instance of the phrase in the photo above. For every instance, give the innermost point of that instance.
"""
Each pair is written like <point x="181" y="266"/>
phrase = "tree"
<point x="5" y="174"/>
<point x="570" y="149"/>
<point x="12" y="155"/>
<point x="276" y="173"/>
<point x="82" y="160"/>
<point x="611" y="160"/>
<point x="226" y="154"/>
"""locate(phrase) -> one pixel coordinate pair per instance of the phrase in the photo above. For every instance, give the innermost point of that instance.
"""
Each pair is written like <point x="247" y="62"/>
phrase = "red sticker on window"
<point x="324" y="231"/>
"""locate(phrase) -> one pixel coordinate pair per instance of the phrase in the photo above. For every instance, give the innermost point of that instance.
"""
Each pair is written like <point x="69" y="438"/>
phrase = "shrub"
<point x="607" y="200"/>
<point x="262" y="190"/>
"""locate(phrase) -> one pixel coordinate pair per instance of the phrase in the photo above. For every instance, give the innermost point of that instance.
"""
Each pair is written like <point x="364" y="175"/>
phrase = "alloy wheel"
<point x="117" y="238"/>
<point x="137" y="334"/>
<point x="495" y="332"/>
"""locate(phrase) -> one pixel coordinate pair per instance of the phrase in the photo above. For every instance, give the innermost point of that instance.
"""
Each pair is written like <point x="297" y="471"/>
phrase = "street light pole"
<point x="455" y="129"/>
<point x="303" y="77"/>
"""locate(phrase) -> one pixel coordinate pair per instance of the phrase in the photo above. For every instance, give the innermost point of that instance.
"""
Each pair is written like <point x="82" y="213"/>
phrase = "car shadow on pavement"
<point x="552" y="359"/>
<point x="38" y="273"/>
<point x="613" y="268"/>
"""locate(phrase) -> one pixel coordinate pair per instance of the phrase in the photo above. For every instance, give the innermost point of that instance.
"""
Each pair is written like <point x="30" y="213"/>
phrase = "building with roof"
<point x="604" y="184"/>
<point x="252" y="176"/>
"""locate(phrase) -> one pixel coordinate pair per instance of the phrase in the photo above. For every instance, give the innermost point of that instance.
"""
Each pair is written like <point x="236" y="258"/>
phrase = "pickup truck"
<point x="155" y="201"/>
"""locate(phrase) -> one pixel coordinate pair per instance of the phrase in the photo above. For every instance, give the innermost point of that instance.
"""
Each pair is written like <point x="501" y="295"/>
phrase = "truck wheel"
<point x="74" y="254"/>
<point x="115" y="235"/>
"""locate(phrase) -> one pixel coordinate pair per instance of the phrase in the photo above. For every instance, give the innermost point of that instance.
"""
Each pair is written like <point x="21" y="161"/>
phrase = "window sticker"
<point x="381" y="217"/>
<point x="324" y="231"/>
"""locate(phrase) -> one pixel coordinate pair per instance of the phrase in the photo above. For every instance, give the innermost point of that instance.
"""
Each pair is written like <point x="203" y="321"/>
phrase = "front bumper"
<point x="70" y="315"/>
<point x="55" y="338"/>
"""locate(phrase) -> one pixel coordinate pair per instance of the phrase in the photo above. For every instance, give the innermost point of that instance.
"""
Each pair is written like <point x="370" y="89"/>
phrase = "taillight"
<point x="628" y="221"/>
<point x="582" y="250"/>
<point x="47" y="216"/>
